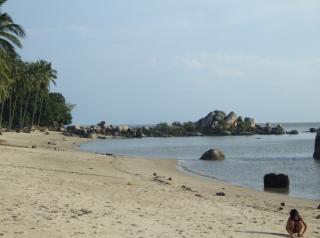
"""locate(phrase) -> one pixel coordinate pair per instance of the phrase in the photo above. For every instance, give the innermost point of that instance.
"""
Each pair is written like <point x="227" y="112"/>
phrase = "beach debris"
<point x="154" y="174"/>
<point x="276" y="181"/>
<point x="51" y="143"/>
<point x="283" y="204"/>
<point x="34" y="147"/>
<point x="161" y="179"/>
<point x="213" y="154"/>
<point x="318" y="217"/>
<point x="198" y="195"/>
<point x="280" y="208"/>
<point x="220" y="194"/>
<point x="318" y="207"/>
<point x="170" y="179"/>
<point x="188" y="189"/>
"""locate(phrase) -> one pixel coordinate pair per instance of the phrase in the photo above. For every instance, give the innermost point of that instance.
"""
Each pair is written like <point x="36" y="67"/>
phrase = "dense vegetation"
<point x="25" y="98"/>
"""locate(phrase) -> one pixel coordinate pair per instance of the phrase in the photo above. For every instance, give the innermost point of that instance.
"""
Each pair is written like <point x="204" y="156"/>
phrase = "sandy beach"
<point x="55" y="190"/>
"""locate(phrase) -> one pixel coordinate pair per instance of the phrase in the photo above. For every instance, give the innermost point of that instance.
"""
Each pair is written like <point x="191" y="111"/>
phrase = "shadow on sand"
<point x="264" y="233"/>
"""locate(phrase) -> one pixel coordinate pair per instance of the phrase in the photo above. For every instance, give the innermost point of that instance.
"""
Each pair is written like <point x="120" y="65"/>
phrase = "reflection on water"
<point x="248" y="159"/>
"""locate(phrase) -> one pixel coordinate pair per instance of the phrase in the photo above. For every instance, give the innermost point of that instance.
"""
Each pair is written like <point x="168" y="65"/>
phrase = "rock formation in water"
<point x="316" y="154"/>
<point x="276" y="181"/>
<point x="213" y="154"/>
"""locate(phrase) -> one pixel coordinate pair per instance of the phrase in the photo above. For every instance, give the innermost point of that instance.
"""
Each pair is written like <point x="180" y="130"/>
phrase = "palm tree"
<point x="48" y="78"/>
<point x="4" y="82"/>
<point x="44" y="75"/>
<point x="10" y="33"/>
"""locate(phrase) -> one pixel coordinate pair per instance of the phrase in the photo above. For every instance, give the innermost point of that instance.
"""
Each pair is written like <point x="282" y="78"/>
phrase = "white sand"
<point x="69" y="193"/>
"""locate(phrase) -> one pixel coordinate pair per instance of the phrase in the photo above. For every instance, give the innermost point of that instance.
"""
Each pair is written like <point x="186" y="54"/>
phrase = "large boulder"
<point x="276" y="181"/>
<point x="313" y="130"/>
<point x="206" y="121"/>
<point x="213" y="154"/>
<point x="279" y="130"/>
<point x="219" y="115"/>
<point x="231" y="119"/>
<point x="316" y="154"/>
<point x="249" y="122"/>
<point x="293" y="132"/>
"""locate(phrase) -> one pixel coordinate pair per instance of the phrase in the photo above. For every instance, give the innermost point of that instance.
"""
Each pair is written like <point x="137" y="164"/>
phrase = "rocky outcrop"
<point x="213" y="154"/>
<point x="231" y="119"/>
<point x="276" y="181"/>
<point x="316" y="154"/>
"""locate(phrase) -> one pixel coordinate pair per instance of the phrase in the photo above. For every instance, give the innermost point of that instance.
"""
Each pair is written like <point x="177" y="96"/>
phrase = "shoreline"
<point x="190" y="172"/>
<point x="57" y="190"/>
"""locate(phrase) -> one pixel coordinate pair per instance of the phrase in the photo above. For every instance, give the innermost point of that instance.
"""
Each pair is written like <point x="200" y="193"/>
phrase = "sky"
<point x="150" y="61"/>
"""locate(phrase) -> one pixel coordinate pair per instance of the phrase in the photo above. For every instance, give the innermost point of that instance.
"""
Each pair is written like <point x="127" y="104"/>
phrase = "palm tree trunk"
<point x="25" y="110"/>
<point x="40" y="111"/>
<point x="13" y="112"/>
<point x="35" y="108"/>
<point x="1" y="115"/>
<point x="20" y="114"/>
<point x="9" y="111"/>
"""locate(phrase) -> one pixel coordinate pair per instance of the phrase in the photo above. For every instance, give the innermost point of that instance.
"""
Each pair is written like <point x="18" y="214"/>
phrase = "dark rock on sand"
<point x="316" y="154"/>
<point x="221" y="194"/>
<point x="276" y="181"/>
<point x="213" y="154"/>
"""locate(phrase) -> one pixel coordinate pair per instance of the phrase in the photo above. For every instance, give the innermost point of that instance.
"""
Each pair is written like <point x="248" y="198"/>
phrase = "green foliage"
<point x="189" y="127"/>
<point x="56" y="109"/>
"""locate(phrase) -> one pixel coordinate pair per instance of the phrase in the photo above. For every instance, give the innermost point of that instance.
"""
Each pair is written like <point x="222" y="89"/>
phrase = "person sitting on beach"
<point x="295" y="224"/>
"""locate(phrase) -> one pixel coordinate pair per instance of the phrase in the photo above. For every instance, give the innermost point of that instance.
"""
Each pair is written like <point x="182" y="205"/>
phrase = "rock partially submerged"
<point x="316" y="154"/>
<point x="213" y="154"/>
<point x="276" y="181"/>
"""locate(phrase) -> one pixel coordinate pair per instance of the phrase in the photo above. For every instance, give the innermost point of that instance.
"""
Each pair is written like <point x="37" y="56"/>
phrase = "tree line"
<point x="25" y="97"/>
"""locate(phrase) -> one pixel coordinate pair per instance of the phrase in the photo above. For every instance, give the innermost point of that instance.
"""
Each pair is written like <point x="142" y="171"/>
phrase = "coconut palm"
<point x="49" y="76"/>
<point x="10" y="32"/>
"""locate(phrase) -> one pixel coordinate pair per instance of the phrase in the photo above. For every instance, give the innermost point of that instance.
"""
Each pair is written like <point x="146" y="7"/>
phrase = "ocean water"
<point x="248" y="158"/>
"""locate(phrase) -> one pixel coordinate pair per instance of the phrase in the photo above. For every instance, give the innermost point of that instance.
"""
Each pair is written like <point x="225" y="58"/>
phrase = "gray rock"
<point x="279" y="130"/>
<point x="231" y="118"/>
<point x="293" y="132"/>
<point x="249" y="122"/>
<point x="206" y="121"/>
<point x="213" y="154"/>
<point x="91" y="135"/>
<point x="313" y="130"/>
<point x="102" y="124"/>
<point x="219" y="115"/>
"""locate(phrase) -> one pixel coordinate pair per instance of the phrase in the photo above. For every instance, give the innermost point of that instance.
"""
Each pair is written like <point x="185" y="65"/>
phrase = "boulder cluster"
<point x="220" y="123"/>
<point x="216" y="123"/>
<point x="102" y="129"/>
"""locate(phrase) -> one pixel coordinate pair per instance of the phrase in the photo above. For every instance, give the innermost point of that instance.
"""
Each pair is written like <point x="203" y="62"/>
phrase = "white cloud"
<point x="250" y="68"/>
